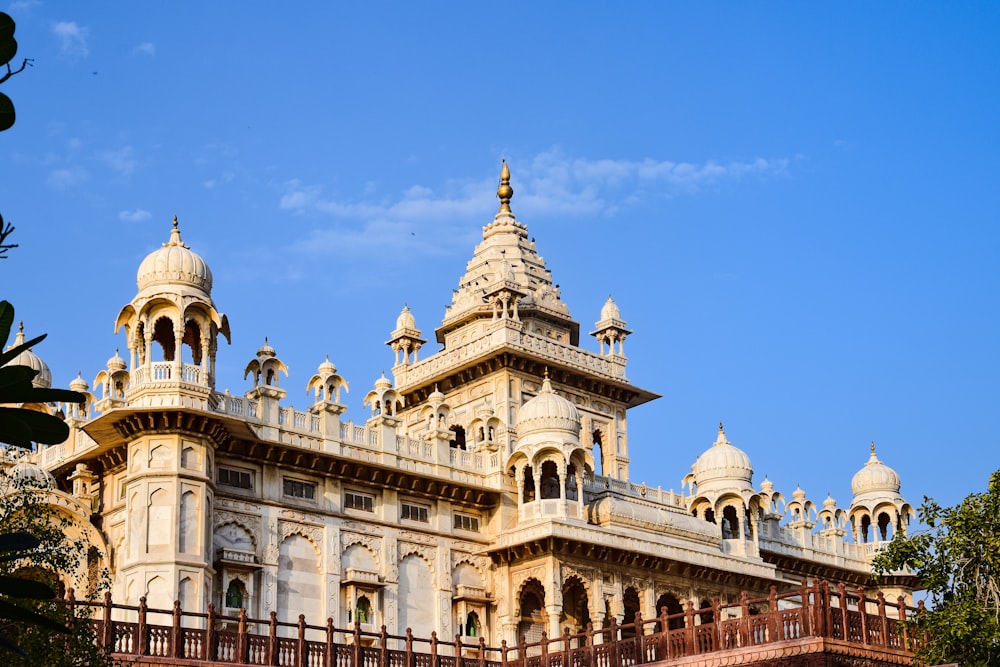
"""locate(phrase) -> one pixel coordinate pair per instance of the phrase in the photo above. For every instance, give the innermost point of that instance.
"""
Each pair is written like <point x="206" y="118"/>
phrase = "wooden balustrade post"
<point x="458" y="650"/>
<point x="716" y="623"/>
<point x="503" y="653"/>
<point x="108" y="631"/>
<point x="383" y="648"/>
<point x="176" y="646"/>
<point x="816" y="608"/>
<point x="544" y="644"/>
<point x="409" y="647"/>
<point x="356" y="648"/>
<point x="521" y="651"/>
<point x="844" y="622"/>
<point x="637" y="637"/>
<point x="805" y="611"/>
<point x="566" y="660"/>
<point x="614" y="654"/>
<point x="331" y="646"/>
<point x="209" y="649"/>
<point x="590" y="645"/>
<point x="301" y="659"/>
<point x="664" y="634"/>
<point x="272" y="639"/>
<point x="824" y="588"/>
<point x="773" y="616"/>
<point x="904" y="640"/>
<point x="689" y="627"/>
<point x="881" y="618"/>
<point x="141" y="628"/>
<point x="242" y="641"/>
<point x="482" y="651"/>
<point x="744" y="619"/>
<point x="863" y="607"/>
<point x="921" y="611"/>
<point x="434" y="650"/>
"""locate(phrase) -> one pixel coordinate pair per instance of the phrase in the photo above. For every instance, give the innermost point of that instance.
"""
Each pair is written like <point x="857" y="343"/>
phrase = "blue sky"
<point x="795" y="205"/>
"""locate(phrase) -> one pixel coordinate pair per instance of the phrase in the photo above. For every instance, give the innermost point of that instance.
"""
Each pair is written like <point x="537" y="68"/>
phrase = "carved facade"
<point x="486" y="494"/>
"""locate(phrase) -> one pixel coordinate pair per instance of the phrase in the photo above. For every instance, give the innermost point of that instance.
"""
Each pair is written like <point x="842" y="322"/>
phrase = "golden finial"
<point x="873" y="446"/>
<point x="720" y="427"/>
<point x="175" y="222"/>
<point x="505" y="192"/>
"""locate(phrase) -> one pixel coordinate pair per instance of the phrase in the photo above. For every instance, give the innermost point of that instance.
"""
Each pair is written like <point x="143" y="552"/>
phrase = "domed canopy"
<point x="79" y="384"/>
<point x="174" y="264"/>
<point x="406" y="319"/>
<point x="266" y="350"/>
<point x="32" y="476"/>
<point x="43" y="376"/>
<point x="610" y="310"/>
<point x="722" y="466"/>
<point x="327" y="367"/>
<point x="116" y="363"/>
<point x="548" y="412"/>
<point x="875" y="478"/>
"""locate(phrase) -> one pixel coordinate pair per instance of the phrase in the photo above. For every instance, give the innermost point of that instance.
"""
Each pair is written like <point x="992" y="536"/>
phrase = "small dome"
<point x="829" y="503"/>
<point x="43" y="376"/>
<point x="767" y="486"/>
<point x="79" y="384"/>
<point x="383" y="382"/>
<point x="406" y="319"/>
<point x="30" y="475"/>
<point x="174" y="264"/>
<point x="116" y="363"/>
<point x="722" y="462"/>
<point x="548" y="412"/>
<point x="875" y="477"/>
<point x="798" y="494"/>
<point x="266" y="350"/>
<point x="327" y="367"/>
<point x="435" y="397"/>
<point x="610" y="311"/>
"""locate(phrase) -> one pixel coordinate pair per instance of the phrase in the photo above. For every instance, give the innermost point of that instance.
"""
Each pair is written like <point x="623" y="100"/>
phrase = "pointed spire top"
<point x="721" y="440"/>
<point x="175" y="235"/>
<point x="505" y="192"/>
<point x="546" y="383"/>
<point x="19" y="339"/>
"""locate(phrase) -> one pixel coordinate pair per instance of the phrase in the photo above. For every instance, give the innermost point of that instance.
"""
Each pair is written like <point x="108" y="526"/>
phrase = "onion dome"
<point x="875" y="478"/>
<point x="798" y="494"/>
<point x="548" y="411"/>
<point x="79" y="384"/>
<point x="43" y="376"/>
<point x="406" y="319"/>
<point x="610" y="310"/>
<point x="383" y="382"/>
<point x="174" y="264"/>
<point x="722" y="463"/>
<point x="32" y="476"/>
<point x="116" y="363"/>
<point x="436" y="397"/>
<point x="326" y="367"/>
<point x="266" y="350"/>
<point x="767" y="486"/>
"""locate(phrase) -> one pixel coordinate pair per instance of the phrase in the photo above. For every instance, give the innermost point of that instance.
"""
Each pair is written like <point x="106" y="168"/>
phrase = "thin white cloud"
<point x="135" y="215"/>
<point x="144" y="49"/>
<point x="549" y="184"/>
<point x="72" y="38"/>
<point x="121" y="160"/>
<point x="62" y="179"/>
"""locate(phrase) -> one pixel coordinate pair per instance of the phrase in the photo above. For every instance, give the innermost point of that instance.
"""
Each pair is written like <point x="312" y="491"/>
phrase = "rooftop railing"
<point x="812" y="611"/>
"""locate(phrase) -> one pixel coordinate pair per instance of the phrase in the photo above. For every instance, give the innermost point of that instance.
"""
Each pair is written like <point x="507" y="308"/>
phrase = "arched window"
<point x="459" y="440"/>
<point x="472" y="625"/>
<point x="673" y="607"/>
<point x="631" y="602"/>
<point x="730" y="524"/>
<point x="163" y="333"/>
<point x="550" y="480"/>
<point x="236" y="594"/>
<point x="529" y="485"/>
<point x="883" y="526"/>
<point x="363" y="610"/>
<point x="866" y="522"/>
<point x="598" y="450"/>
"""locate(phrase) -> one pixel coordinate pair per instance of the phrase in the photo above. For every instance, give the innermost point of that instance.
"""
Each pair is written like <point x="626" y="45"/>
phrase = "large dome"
<point x="43" y="376"/>
<point x="548" y="412"/>
<point x="722" y="462"/>
<point x="875" y="477"/>
<point x="174" y="264"/>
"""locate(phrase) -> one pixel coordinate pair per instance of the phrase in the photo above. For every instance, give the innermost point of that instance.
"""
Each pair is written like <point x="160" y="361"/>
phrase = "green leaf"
<point x="22" y="426"/>
<point x="14" y="351"/>
<point x="20" y="541"/>
<point x="17" y="587"/>
<point x="7" y="115"/>
<point x="8" y="45"/>
<point x="12" y="612"/>
<point x="6" y="320"/>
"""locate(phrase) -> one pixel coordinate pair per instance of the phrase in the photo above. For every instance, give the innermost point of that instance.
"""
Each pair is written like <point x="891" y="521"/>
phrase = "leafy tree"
<point x="957" y="560"/>
<point x="44" y="630"/>
<point x="35" y="542"/>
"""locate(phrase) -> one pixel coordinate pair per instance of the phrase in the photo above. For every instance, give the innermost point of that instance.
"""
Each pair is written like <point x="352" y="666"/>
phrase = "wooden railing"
<point x="814" y="611"/>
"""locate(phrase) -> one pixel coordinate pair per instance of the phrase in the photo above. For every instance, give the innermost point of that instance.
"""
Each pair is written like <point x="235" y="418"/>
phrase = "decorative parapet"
<point x="511" y="335"/>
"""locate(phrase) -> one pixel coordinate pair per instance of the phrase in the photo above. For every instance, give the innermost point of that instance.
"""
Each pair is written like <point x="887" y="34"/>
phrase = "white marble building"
<point x="486" y="494"/>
